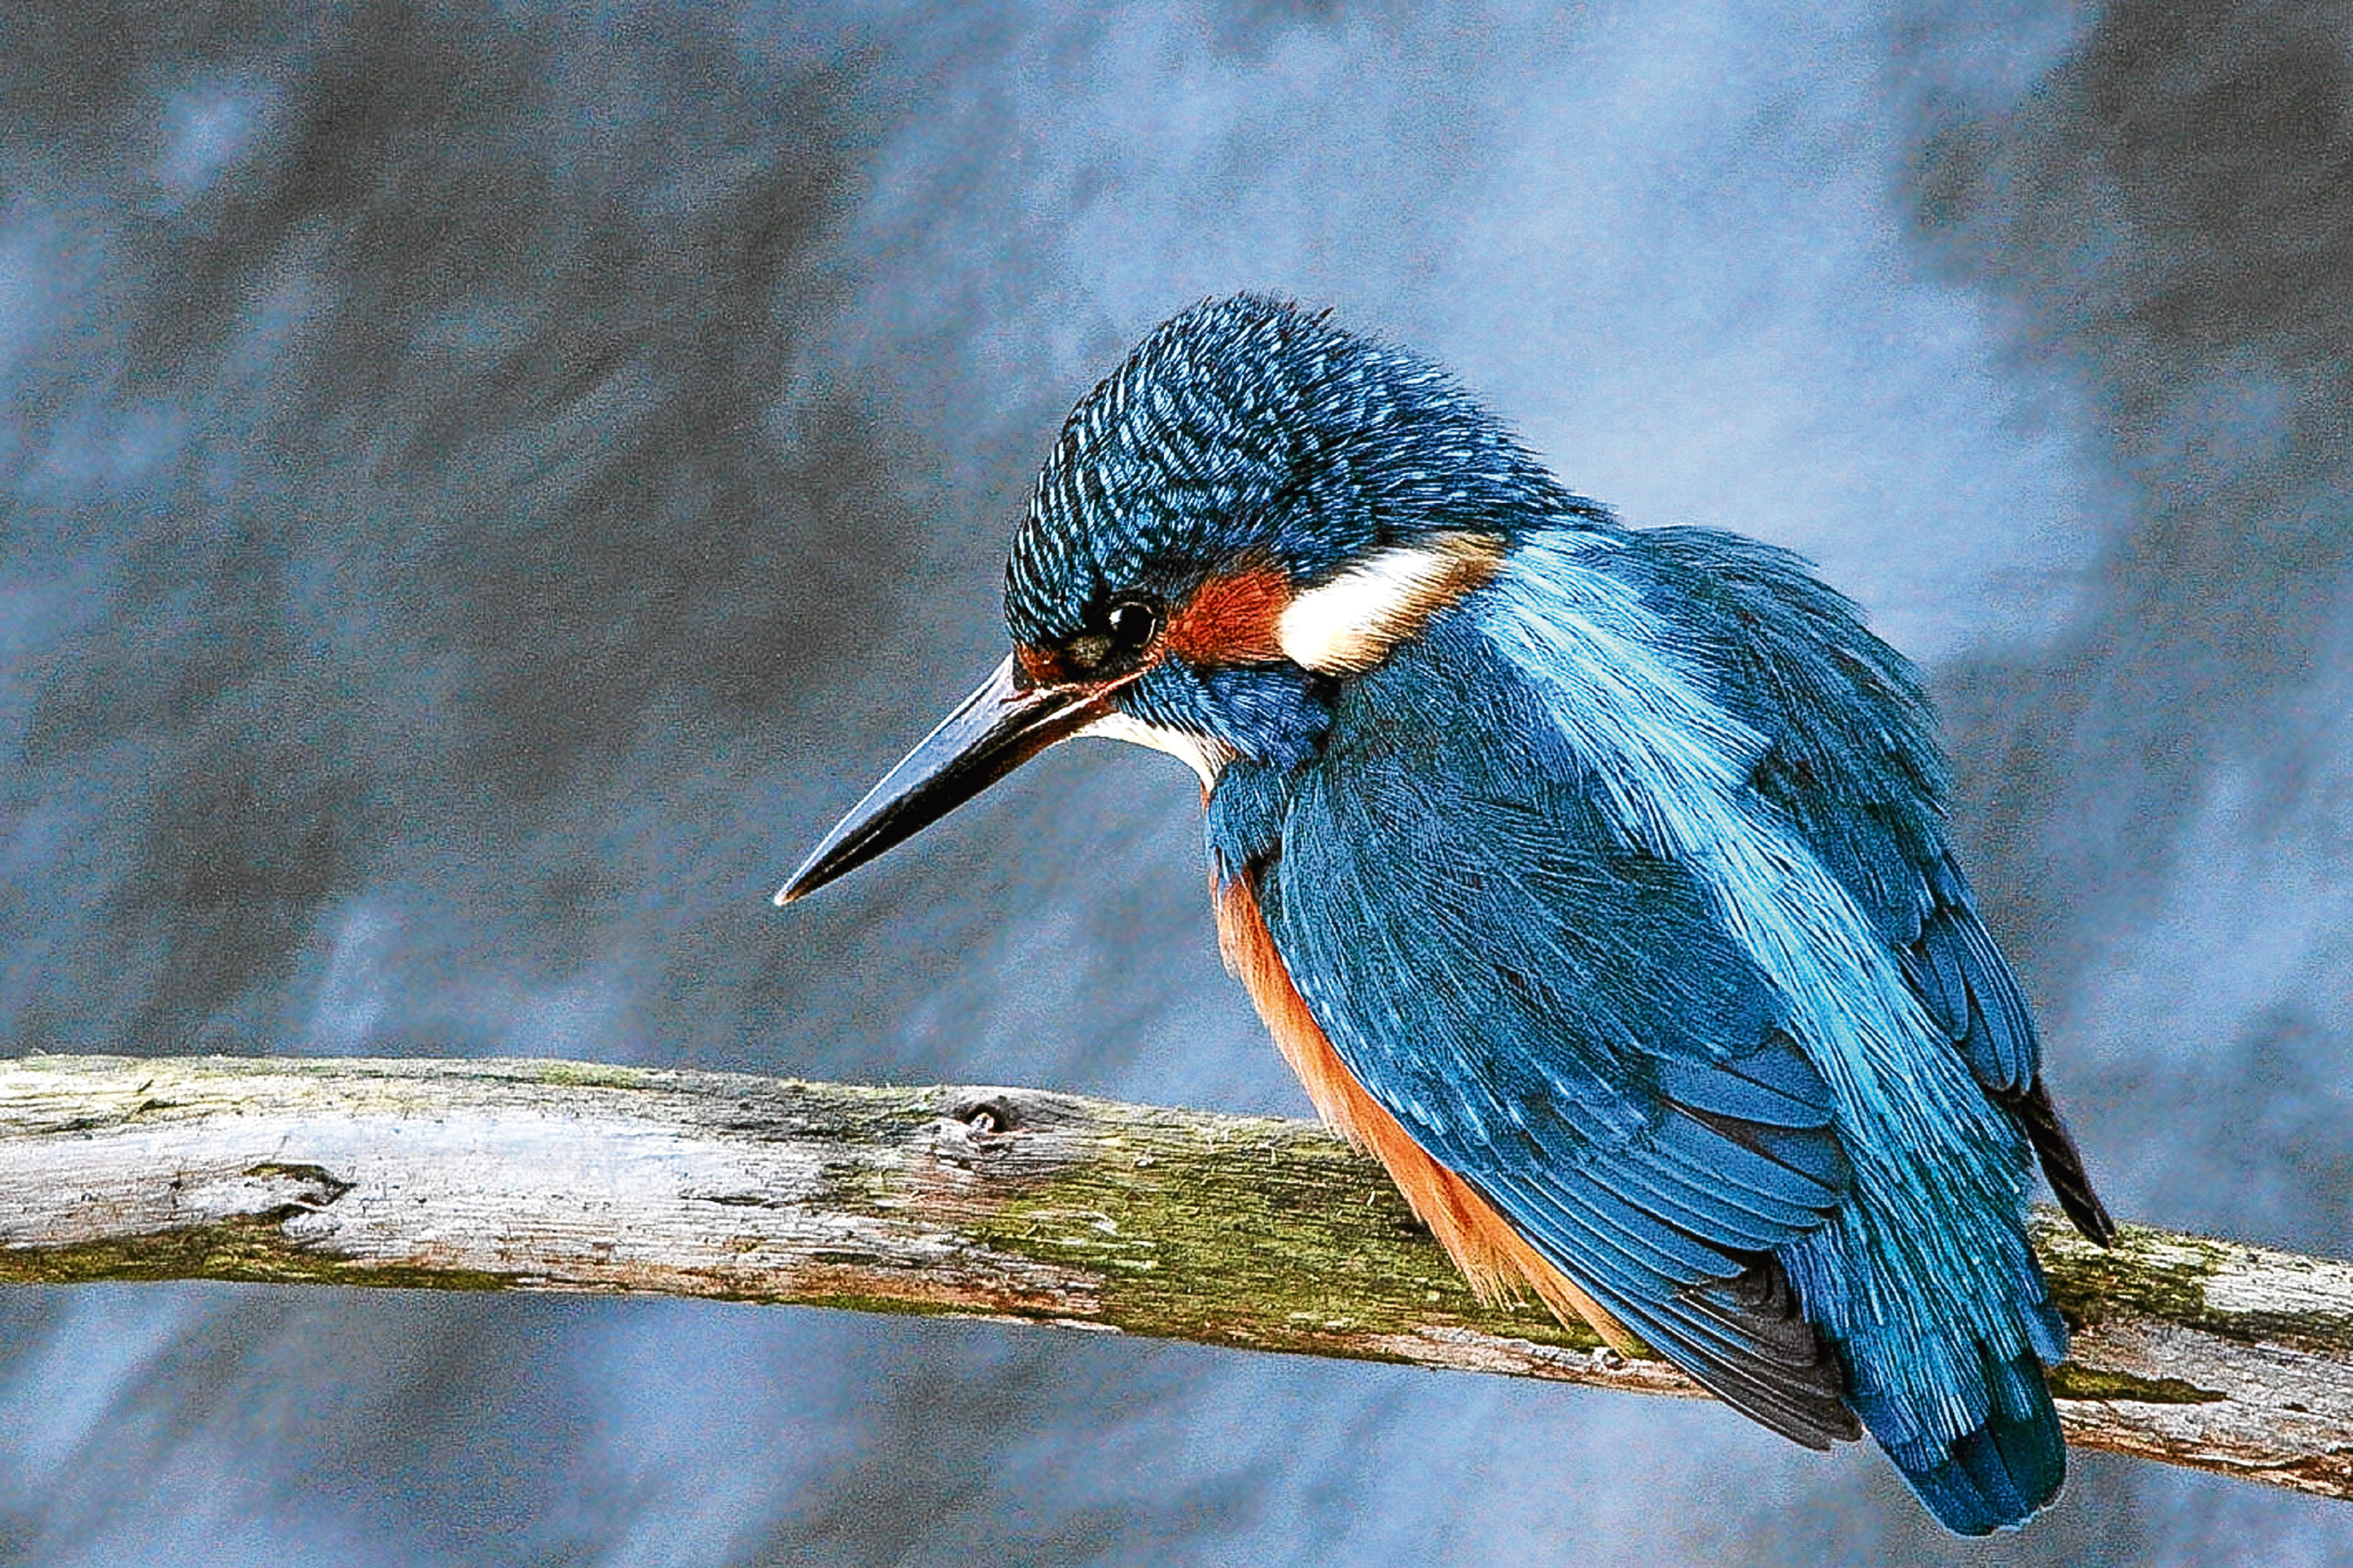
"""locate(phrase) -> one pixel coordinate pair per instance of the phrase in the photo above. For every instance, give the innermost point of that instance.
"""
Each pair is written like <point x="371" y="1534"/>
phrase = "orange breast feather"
<point x="1492" y="1256"/>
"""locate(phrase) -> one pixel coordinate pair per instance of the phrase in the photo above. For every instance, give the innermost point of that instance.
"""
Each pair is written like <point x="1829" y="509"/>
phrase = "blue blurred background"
<point x="483" y="485"/>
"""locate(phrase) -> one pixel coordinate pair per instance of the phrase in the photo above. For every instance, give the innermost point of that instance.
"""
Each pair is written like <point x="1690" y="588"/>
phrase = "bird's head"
<point x="1253" y="508"/>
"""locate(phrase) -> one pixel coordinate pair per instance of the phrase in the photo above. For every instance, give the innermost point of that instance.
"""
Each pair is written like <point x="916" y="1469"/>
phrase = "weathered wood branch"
<point x="1005" y="1203"/>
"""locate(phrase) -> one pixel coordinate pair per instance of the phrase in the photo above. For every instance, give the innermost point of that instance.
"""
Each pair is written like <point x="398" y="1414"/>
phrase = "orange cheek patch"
<point x="1231" y="620"/>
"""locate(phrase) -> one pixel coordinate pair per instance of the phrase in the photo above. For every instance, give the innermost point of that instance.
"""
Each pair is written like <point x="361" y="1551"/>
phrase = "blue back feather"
<point x="1852" y="764"/>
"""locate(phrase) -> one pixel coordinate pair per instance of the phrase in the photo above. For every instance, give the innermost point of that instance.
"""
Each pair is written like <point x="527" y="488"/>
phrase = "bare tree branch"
<point x="1007" y="1203"/>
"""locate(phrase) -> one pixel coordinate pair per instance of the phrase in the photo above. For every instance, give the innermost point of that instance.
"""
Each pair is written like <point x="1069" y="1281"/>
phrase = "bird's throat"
<point x="1205" y="755"/>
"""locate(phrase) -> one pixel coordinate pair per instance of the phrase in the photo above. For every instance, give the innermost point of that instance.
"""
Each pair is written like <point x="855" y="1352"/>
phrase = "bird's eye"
<point x="1125" y="630"/>
<point x="1133" y="624"/>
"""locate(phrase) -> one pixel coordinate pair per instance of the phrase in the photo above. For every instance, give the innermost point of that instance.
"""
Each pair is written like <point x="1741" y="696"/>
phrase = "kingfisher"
<point x="1595" y="879"/>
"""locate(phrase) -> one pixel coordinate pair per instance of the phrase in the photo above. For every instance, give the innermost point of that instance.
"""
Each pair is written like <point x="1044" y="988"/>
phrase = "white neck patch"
<point x="1348" y="625"/>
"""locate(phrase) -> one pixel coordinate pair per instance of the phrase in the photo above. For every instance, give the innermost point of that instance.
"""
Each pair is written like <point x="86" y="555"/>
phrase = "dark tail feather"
<point x="1999" y="1476"/>
<point x="2063" y="1162"/>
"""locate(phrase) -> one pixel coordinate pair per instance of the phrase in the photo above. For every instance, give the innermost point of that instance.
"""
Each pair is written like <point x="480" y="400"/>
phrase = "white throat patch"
<point x="1205" y="755"/>
<point x="1348" y="625"/>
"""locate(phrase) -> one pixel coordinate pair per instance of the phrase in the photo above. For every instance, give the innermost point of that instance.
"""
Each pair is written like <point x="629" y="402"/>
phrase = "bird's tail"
<point x="1998" y="1472"/>
<point x="1951" y="1383"/>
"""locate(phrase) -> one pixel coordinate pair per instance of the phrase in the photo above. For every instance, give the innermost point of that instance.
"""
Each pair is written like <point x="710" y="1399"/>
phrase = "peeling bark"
<point x="1009" y="1204"/>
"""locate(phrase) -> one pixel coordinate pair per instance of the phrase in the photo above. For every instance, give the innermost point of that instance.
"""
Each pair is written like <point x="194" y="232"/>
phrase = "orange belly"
<point x="1495" y="1258"/>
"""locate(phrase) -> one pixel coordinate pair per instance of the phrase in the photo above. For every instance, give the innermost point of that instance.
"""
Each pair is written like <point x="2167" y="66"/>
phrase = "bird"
<point x="1595" y="879"/>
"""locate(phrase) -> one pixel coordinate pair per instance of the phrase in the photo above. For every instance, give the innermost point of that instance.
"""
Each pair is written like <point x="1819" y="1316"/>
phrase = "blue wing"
<point x="1529" y="889"/>
<point x="1851" y="762"/>
<point x="1559" y="1018"/>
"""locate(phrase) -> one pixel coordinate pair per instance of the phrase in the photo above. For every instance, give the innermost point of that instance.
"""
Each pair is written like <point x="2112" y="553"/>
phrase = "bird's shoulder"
<point x="1460" y="752"/>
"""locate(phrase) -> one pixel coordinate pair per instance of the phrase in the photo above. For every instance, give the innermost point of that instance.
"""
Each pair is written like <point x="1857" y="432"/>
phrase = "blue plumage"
<point x="1610" y="866"/>
<point x="1538" y="973"/>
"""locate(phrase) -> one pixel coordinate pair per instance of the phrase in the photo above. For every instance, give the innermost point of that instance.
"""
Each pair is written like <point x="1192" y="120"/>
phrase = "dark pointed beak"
<point x="991" y="733"/>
